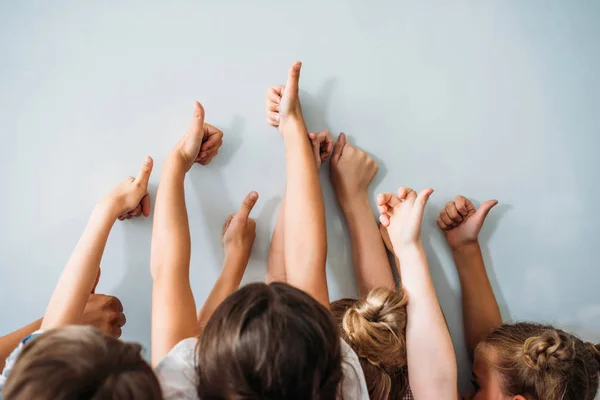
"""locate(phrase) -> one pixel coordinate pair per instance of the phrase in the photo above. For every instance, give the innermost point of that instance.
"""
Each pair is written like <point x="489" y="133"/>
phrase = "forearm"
<point x="481" y="313"/>
<point x="227" y="283"/>
<point x="432" y="366"/>
<point x="9" y="342"/>
<point x="173" y="306"/>
<point x="371" y="264"/>
<point x="305" y="239"/>
<point x="77" y="280"/>
<point x="276" y="262"/>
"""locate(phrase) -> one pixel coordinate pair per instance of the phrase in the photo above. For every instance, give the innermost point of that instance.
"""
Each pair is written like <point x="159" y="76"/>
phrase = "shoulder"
<point x="354" y="385"/>
<point x="176" y="372"/>
<point x="14" y="355"/>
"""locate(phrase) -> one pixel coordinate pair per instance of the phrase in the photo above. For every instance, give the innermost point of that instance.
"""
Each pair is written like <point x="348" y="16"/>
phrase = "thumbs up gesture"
<point x="239" y="230"/>
<point x="130" y="198"/>
<point x="283" y="102"/>
<point x="461" y="222"/>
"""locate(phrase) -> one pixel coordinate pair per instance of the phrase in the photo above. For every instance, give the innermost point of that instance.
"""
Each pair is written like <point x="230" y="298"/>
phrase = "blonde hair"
<point x="543" y="363"/>
<point x="80" y="362"/>
<point x="375" y="328"/>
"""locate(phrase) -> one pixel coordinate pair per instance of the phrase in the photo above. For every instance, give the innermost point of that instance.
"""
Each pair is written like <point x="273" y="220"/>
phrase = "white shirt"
<point x="176" y="373"/>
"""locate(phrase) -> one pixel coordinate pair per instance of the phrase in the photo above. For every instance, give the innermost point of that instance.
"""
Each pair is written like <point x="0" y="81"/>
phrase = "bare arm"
<point x="9" y="342"/>
<point x="432" y="366"/>
<point x="238" y="236"/>
<point x="276" y="262"/>
<point x="173" y="305"/>
<point x="461" y="224"/>
<point x="305" y="239"/>
<point x="352" y="170"/>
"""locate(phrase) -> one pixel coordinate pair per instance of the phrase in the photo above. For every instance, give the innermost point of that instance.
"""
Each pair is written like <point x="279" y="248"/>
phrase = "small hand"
<point x="283" y="102"/>
<point x="105" y="313"/>
<point x="351" y="170"/>
<point x="130" y="198"/>
<point x="402" y="215"/>
<point x="201" y="142"/>
<point x="239" y="230"/>
<point x="322" y="145"/>
<point x="461" y="222"/>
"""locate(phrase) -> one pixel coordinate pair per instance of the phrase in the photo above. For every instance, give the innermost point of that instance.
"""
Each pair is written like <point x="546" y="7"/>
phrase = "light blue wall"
<point x="486" y="99"/>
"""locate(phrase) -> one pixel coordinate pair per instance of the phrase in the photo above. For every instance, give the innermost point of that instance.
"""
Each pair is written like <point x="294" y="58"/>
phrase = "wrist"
<point x="107" y="208"/>
<point x="292" y="124"/>
<point x="351" y="204"/>
<point x="466" y="249"/>
<point x="175" y="164"/>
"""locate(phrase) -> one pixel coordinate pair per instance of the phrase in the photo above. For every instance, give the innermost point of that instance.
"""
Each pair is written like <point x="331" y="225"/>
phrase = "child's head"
<point x="269" y="341"/>
<point x="80" y="362"/>
<point x="375" y="328"/>
<point x="535" y="362"/>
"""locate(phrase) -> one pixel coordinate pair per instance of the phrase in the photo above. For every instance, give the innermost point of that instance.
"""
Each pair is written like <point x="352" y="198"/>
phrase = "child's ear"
<point x="519" y="397"/>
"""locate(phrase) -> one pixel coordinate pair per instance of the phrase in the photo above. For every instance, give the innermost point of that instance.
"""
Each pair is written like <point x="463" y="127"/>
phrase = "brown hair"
<point x="540" y="362"/>
<point x="80" y="362"/>
<point x="375" y="328"/>
<point x="269" y="342"/>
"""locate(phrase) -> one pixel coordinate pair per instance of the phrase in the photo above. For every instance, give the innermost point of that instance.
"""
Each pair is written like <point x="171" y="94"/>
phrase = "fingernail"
<point x="148" y="160"/>
<point x="253" y="195"/>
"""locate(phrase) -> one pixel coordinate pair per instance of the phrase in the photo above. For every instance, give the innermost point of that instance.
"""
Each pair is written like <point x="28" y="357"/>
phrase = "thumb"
<point x="247" y="205"/>
<point x="198" y="118"/>
<point x="291" y="87"/>
<point x="145" y="171"/>
<point x="338" y="147"/>
<point x="421" y="202"/>
<point x="315" y="145"/>
<point x="483" y="210"/>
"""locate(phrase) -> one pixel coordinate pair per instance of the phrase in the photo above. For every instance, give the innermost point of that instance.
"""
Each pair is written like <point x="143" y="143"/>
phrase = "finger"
<point x="446" y="219"/>
<point x="227" y="223"/>
<point x="127" y="216"/>
<point x="461" y="205"/>
<point x="441" y="224"/>
<point x="271" y="106"/>
<point x="314" y="144"/>
<point x="212" y="142"/>
<point x="97" y="281"/>
<point x="136" y="212"/>
<point x="207" y="160"/>
<point x="483" y="210"/>
<point x="292" y="84"/>
<point x="146" y="205"/>
<point x="247" y="205"/>
<point x="121" y="218"/>
<point x="116" y="332"/>
<point x="196" y="129"/>
<point x="119" y="320"/>
<point x="421" y="202"/>
<point x="272" y="122"/>
<point x="274" y="94"/>
<point x="411" y="195"/>
<point x="388" y="199"/>
<point x="338" y="147"/>
<point x="273" y="116"/>
<point x="453" y="212"/>
<point x="385" y="220"/>
<point x="145" y="171"/>
<point x="383" y="209"/>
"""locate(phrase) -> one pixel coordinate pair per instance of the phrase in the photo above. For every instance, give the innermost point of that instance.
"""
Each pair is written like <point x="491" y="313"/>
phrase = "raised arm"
<point x="173" y="306"/>
<point x="352" y="170"/>
<point x="461" y="223"/>
<point x="238" y="237"/>
<point x="432" y="367"/>
<point x="129" y="199"/>
<point x="322" y="147"/>
<point x="305" y="239"/>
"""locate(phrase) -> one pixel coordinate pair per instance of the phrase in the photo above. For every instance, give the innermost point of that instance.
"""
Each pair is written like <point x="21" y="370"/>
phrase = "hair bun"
<point x="553" y="349"/>
<point x="376" y="327"/>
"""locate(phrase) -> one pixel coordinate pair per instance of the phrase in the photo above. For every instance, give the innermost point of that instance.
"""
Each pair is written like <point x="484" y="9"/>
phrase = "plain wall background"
<point x="486" y="99"/>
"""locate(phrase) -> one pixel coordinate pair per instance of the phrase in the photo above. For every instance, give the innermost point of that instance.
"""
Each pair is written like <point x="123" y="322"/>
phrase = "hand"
<point x="105" y="313"/>
<point x="402" y="215"/>
<point x="322" y="145"/>
<point x="201" y="142"/>
<point x="351" y="170"/>
<point x="239" y="230"/>
<point x="461" y="223"/>
<point x="130" y="198"/>
<point x="385" y="236"/>
<point x="283" y="102"/>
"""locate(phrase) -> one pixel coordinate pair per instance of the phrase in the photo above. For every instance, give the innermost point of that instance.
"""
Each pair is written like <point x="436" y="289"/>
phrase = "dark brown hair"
<point x="375" y="328"/>
<point x="269" y="342"/>
<point x="541" y="362"/>
<point x="80" y="362"/>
